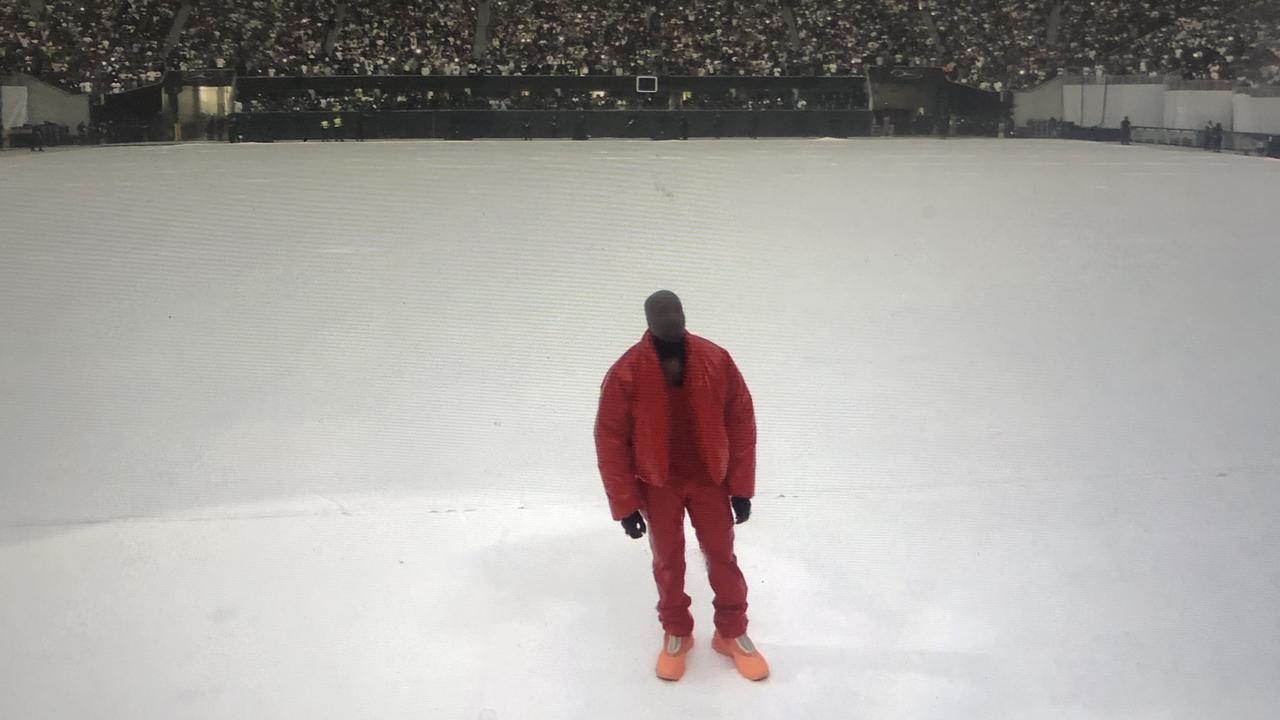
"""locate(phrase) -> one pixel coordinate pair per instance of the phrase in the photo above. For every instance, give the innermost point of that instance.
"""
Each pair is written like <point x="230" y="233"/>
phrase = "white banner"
<point x="13" y="106"/>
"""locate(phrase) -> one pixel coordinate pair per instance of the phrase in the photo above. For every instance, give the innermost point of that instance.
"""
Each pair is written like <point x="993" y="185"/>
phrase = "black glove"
<point x="634" y="524"/>
<point x="741" y="509"/>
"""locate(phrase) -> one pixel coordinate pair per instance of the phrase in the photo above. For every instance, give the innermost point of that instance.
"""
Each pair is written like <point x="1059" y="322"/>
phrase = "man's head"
<point x="665" y="315"/>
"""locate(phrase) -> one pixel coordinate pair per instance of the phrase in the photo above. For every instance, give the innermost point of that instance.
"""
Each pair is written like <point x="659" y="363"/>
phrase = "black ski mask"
<point x="668" y="350"/>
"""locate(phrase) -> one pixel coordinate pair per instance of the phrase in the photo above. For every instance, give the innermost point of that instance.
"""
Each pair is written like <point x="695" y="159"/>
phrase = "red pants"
<point x="712" y="518"/>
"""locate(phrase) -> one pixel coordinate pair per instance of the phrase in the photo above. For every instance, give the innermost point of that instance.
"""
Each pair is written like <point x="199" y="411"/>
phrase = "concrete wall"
<point x="1255" y="114"/>
<point x="1149" y="105"/>
<point x="1144" y="104"/>
<point x="1039" y="103"/>
<point x="13" y="106"/>
<point x="1106" y="105"/>
<point x="46" y="103"/>
<point x="1191" y="109"/>
<point x="1073" y="108"/>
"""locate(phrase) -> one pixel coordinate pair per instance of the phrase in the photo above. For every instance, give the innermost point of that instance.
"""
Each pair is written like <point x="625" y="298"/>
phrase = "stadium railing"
<point x="1241" y="143"/>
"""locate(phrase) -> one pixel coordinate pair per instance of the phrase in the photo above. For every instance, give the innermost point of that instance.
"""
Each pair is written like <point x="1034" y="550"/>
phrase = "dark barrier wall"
<point x="132" y="116"/>
<point x="1097" y="134"/>
<point x="139" y="104"/>
<point x="496" y="85"/>
<point x="975" y="104"/>
<point x="466" y="124"/>
<point x="908" y="89"/>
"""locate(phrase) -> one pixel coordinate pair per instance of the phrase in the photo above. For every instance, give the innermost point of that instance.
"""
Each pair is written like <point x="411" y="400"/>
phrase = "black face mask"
<point x="667" y="350"/>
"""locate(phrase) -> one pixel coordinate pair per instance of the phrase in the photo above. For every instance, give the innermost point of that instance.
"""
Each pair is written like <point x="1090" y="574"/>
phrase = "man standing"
<point x="676" y="431"/>
<point x="1126" y="131"/>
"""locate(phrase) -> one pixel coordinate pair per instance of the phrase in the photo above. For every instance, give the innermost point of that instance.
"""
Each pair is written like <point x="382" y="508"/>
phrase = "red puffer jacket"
<point x="633" y="422"/>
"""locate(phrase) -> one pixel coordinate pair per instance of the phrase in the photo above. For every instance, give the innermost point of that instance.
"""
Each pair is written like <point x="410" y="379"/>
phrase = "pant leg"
<point x="712" y="517"/>
<point x="664" y="514"/>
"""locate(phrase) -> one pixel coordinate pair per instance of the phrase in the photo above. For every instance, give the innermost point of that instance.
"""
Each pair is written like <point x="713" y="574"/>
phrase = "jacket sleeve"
<point x="740" y="425"/>
<point x="613" y="448"/>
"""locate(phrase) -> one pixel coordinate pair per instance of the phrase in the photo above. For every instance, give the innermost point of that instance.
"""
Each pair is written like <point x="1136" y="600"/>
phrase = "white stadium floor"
<point x="305" y="430"/>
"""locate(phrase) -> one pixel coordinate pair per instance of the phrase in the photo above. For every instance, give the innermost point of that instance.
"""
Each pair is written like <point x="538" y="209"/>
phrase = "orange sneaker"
<point x="749" y="661"/>
<point x="671" y="659"/>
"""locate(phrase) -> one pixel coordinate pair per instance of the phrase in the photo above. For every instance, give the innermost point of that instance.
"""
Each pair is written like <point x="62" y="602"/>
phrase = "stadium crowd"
<point x="838" y="37"/>
<point x="255" y="36"/>
<point x="551" y="37"/>
<point x="1197" y="39"/>
<point x="86" y="46"/>
<point x="104" y="46"/>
